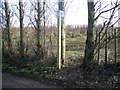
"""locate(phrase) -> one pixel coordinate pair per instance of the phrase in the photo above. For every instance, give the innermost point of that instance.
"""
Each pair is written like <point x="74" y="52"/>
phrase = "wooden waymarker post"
<point x="61" y="34"/>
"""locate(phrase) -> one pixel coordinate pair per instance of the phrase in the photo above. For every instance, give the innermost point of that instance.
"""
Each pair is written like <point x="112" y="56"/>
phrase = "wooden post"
<point x="61" y="34"/>
<point x="63" y="46"/>
<point x="59" y="40"/>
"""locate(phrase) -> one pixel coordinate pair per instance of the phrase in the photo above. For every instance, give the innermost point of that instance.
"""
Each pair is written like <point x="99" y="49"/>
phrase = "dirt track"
<point x="11" y="81"/>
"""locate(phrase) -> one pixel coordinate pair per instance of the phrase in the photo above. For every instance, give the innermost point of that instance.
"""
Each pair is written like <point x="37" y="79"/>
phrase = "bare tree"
<point x="7" y="15"/>
<point x="2" y="24"/>
<point x="118" y="41"/>
<point x="21" y="28"/>
<point x="106" y="46"/>
<point x="0" y="47"/>
<point x="44" y="33"/>
<point x="103" y="33"/>
<point x="38" y="22"/>
<point x="115" y="44"/>
<point x="89" y="49"/>
<point x="107" y="28"/>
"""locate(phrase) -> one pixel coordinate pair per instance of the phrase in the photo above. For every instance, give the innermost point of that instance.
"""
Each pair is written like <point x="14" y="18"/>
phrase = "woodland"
<point x="73" y="56"/>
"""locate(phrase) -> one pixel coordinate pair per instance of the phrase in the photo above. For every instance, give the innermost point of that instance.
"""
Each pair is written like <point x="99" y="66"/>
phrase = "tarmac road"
<point x="11" y="81"/>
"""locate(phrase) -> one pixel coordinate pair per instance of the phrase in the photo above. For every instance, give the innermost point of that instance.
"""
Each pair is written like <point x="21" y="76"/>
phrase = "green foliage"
<point x="75" y="54"/>
<point x="32" y="66"/>
<point x="118" y="59"/>
<point x="74" y="37"/>
<point x="93" y="77"/>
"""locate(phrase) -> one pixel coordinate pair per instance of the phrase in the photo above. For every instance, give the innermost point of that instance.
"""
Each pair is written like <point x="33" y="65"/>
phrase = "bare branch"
<point x="107" y="11"/>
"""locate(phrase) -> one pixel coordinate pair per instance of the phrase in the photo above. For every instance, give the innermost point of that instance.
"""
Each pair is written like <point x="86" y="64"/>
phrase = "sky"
<point x="75" y="14"/>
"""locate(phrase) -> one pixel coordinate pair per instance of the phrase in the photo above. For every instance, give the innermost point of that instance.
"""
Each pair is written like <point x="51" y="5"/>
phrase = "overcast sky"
<point x="76" y="13"/>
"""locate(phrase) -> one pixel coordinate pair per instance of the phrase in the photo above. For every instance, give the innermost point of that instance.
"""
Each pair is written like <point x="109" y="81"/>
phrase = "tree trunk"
<point x="99" y="48"/>
<point x="106" y="47"/>
<point x="89" y="49"/>
<point x="63" y="43"/>
<point x="115" y="46"/>
<point x="7" y="14"/>
<point x="118" y="42"/>
<point x="59" y="43"/>
<point x="39" y="52"/>
<point x="44" y="33"/>
<point x="21" y="28"/>
<point x="0" y="48"/>
<point x="3" y="31"/>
